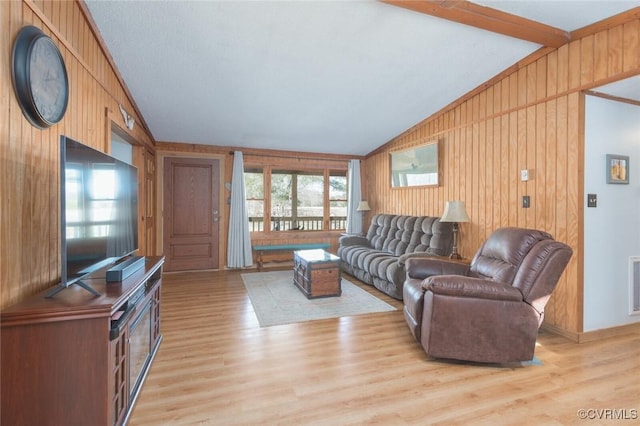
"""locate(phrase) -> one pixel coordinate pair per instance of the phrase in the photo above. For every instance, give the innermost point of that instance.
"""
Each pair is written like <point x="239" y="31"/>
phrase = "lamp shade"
<point x="454" y="211"/>
<point x="363" y="206"/>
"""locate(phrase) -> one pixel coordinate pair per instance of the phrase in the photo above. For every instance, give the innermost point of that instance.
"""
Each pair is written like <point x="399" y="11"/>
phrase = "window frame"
<point x="269" y="170"/>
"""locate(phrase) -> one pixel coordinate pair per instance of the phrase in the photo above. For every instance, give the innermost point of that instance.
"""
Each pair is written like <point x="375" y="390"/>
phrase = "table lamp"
<point x="363" y="206"/>
<point x="454" y="211"/>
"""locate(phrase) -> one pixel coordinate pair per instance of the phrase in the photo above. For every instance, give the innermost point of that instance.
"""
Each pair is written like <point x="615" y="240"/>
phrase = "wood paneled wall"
<point x="29" y="158"/>
<point x="531" y="117"/>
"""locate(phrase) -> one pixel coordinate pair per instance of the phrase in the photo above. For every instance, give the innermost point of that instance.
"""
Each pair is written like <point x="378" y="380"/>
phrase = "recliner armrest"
<point x="458" y="286"/>
<point x="424" y="267"/>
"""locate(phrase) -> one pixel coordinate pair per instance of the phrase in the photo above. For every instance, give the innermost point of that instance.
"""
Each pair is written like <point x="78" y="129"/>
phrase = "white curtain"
<point x="239" y="244"/>
<point x="354" y="196"/>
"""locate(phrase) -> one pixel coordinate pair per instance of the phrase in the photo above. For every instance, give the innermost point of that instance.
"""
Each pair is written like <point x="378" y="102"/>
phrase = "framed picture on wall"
<point x="417" y="166"/>
<point x="617" y="169"/>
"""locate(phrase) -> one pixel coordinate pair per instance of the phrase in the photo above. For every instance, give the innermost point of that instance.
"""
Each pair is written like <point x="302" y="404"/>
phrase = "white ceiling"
<point x="339" y="77"/>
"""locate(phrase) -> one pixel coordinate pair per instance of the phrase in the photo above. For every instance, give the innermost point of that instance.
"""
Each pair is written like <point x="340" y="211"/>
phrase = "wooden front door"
<point x="191" y="213"/>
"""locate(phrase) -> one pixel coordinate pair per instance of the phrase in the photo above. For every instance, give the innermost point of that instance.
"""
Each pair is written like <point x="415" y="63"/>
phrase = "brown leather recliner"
<point x="491" y="310"/>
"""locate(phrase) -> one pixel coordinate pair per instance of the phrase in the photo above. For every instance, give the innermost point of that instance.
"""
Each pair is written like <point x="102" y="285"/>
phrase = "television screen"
<point x="99" y="210"/>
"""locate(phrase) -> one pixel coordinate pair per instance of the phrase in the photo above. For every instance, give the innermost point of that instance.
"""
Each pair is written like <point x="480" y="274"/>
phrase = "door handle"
<point x="215" y="216"/>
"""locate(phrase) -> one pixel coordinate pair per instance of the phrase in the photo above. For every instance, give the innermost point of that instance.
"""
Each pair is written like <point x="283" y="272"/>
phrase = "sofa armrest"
<point x="353" y="240"/>
<point x="478" y="288"/>
<point x="424" y="267"/>
<point x="402" y="260"/>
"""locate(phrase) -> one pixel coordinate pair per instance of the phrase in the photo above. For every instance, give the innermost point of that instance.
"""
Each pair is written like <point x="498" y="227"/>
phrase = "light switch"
<point x="526" y="201"/>
<point x="524" y="175"/>
<point x="592" y="200"/>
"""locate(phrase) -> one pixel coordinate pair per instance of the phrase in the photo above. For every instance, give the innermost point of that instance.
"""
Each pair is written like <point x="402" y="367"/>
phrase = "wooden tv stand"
<point x="80" y="359"/>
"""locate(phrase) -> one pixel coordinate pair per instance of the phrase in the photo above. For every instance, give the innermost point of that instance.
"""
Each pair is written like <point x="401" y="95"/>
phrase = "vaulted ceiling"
<point x="338" y="77"/>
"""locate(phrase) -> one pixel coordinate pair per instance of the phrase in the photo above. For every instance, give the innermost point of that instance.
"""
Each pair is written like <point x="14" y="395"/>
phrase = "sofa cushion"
<point x="435" y="237"/>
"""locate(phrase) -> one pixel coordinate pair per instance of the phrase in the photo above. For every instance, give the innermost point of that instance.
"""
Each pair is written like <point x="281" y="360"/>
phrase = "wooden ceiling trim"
<point x="486" y="18"/>
<point x="612" y="98"/>
<point x="605" y="24"/>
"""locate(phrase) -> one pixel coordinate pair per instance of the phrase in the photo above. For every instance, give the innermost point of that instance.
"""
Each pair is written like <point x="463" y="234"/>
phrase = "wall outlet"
<point x="526" y="201"/>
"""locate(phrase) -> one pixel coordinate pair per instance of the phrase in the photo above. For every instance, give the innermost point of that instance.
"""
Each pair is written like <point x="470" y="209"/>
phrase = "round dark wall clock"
<point x="39" y="78"/>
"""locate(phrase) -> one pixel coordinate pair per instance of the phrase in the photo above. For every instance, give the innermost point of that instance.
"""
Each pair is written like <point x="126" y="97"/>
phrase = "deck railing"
<point x="256" y="224"/>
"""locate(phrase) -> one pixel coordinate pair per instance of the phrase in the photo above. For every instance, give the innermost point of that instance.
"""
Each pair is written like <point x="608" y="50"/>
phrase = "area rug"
<point x="276" y="300"/>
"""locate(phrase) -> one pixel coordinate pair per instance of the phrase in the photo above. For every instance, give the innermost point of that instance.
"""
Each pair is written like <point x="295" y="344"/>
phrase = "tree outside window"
<point x="297" y="200"/>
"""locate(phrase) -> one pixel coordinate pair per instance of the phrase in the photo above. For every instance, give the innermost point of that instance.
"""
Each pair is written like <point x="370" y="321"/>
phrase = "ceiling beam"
<point x="486" y="18"/>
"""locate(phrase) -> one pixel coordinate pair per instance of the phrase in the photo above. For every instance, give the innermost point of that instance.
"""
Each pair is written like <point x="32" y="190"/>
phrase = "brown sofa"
<point x="378" y="258"/>
<point x="491" y="310"/>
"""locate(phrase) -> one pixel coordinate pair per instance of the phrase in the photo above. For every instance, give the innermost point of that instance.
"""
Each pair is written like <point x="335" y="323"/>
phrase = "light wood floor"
<point x="217" y="366"/>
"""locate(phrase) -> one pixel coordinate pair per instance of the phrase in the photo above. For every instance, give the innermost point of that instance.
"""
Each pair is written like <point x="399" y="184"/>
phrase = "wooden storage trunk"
<point x="317" y="273"/>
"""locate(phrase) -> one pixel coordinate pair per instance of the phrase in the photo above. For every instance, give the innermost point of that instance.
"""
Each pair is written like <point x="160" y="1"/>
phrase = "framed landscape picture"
<point x="416" y="166"/>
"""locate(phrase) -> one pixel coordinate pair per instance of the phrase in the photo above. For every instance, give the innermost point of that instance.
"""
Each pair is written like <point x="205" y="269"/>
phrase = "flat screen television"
<point x="98" y="212"/>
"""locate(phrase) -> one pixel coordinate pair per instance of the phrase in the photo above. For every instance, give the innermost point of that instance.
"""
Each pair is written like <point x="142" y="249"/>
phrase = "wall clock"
<point x="39" y="78"/>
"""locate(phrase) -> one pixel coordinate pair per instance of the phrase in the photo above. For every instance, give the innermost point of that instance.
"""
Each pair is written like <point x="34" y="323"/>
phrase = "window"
<point x="311" y="200"/>
<point x="254" y="184"/>
<point x="337" y="200"/>
<point x="297" y="200"/>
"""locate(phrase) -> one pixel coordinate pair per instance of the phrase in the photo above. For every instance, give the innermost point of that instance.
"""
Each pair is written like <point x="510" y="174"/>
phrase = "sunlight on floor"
<point x="249" y="318"/>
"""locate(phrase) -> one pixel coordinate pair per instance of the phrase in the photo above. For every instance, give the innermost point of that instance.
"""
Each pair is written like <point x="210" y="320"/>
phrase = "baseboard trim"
<point x="590" y="336"/>
<point x="575" y="337"/>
